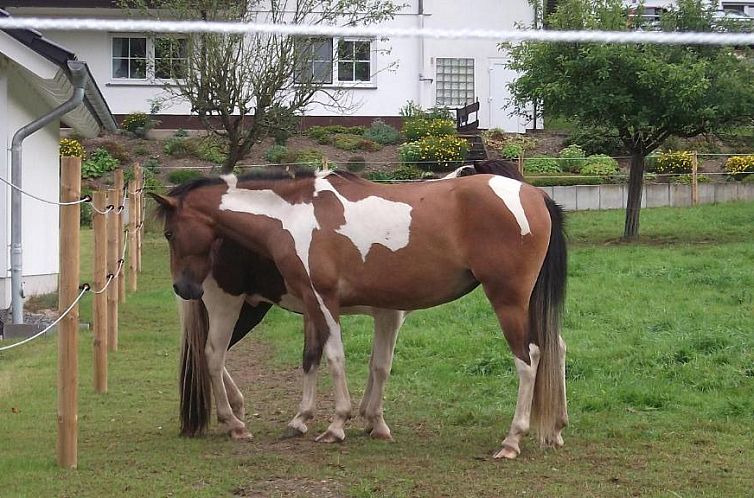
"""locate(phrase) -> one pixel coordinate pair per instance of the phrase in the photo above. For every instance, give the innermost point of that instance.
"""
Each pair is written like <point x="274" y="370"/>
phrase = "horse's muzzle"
<point x="188" y="290"/>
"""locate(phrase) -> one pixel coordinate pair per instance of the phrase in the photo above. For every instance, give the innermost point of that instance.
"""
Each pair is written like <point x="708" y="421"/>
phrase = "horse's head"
<point x="190" y="235"/>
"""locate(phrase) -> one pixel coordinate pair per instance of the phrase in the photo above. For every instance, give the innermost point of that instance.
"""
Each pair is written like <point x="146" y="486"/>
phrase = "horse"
<point x="236" y="271"/>
<point x="332" y="235"/>
<point x="242" y="284"/>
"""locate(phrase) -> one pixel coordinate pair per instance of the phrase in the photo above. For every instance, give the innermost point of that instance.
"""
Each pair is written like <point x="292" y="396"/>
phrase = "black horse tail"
<point x="194" y="381"/>
<point x="549" y="411"/>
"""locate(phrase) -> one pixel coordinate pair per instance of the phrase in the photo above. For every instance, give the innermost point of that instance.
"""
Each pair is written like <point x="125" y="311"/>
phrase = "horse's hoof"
<point x="381" y="435"/>
<point x="291" y="432"/>
<point x="506" y="452"/>
<point x="331" y="436"/>
<point x="240" y="434"/>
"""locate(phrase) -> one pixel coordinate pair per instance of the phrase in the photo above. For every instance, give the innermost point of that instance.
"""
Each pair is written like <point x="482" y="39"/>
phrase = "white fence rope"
<point x="142" y="25"/>
<point x="42" y="332"/>
<point x="46" y="201"/>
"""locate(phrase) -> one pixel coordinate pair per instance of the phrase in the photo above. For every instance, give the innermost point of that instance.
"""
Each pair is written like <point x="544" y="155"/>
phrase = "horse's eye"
<point x="168" y="235"/>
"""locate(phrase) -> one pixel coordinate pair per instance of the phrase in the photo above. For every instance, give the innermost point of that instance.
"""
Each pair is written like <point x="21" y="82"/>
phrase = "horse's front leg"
<point x="222" y="311"/>
<point x="386" y="326"/>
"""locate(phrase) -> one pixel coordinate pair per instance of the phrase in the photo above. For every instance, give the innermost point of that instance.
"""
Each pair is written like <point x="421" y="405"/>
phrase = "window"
<point x="333" y="61"/>
<point x="455" y="82"/>
<point x="147" y="58"/>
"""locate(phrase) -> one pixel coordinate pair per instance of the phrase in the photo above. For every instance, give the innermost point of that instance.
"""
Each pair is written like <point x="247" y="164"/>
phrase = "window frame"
<point x="151" y="77"/>
<point x="335" y="81"/>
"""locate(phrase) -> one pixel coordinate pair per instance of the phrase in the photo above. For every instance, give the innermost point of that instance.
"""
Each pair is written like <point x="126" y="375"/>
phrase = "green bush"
<point x="138" y="123"/>
<point x="740" y="167"/>
<point x="596" y="140"/>
<point x="413" y="110"/>
<point x="599" y="165"/>
<point x="541" y="165"/>
<point x="347" y="141"/>
<point x="327" y="134"/>
<point x="276" y="154"/>
<point x="571" y="158"/>
<point x="180" y="133"/>
<point x="311" y="158"/>
<point x="356" y="164"/>
<point x="668" y="162"/>
<point x="403" y="173"/>
<point x="688" y="179"/>
<point x="99" y="162"/>
<point x="209" y="148"/>
<point x="512" y="150"/>
<point x="152" y="165"/>
<point x="140" y="151"/>
<point x="434" y="153"/>
<point x="71" y="148"/>
<point x="382" y="133"/>
<point x="565" y="180"/>
<point x="183" y="175"/>
<point x="417" y="128"/>
<point x="177" y="147"/>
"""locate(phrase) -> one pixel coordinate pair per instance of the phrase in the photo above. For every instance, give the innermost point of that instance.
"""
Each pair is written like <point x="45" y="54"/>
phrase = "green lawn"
<point x="661" y="388"/>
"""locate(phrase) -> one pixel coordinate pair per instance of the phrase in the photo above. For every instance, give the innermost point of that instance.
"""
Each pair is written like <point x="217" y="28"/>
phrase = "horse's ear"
<point x="164" y="201"/>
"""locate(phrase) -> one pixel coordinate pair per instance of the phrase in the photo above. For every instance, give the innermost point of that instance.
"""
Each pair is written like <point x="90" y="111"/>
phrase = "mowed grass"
<point x="660" y="369"/>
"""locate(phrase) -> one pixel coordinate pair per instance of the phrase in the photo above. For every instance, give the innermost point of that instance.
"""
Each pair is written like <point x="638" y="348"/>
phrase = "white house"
<point x="384" y="75"/>
<point x="34" y="79"/>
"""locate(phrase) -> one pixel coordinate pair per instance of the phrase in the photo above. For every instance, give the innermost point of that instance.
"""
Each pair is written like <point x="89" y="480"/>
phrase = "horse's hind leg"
<point x="222" y="310"/>
<point x="386" y="326"/>
<point x="513" y="318"/>
<point x="235" y="398"/>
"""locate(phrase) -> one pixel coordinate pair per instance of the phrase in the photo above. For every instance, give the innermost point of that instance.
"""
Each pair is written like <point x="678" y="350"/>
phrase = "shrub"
<point x="679" y="161"/>
<point x="571" y="158"/>
<point x="346" y="141"/>
<point x="382" y="133"/>
<point x="140" y="150"/>
<point x="413" y="110"/>
<point x="276" y="153"/>
<point x="180" y="133"/>
<point x="319" y="134"/>
<point x="71" y="148"/>
<point x="596" y="140"/>
<point x="599" y="165"/>
<point x="565" y="180"/>
<point x="327" y="134"/>
<point x="434" y="153"/>
<point x="311" y="158"/>
<point x="688" y="179"/>
<point x="138" y="123"/>
<point x="417" y="128"/>
<point x="541" y="165"/>
<point x="403" y="173"/>
<point x="369" y="145"/>
<point x="512" y="150"/>
<point x="356" y="164"/>
<point x="740" y="167"/>
<point x="176" y="146"/>
<point x="152" y="165"/>
<point x="209" y="148"/>
<point x="183" y="175"/>
<point x="100" y="162"/>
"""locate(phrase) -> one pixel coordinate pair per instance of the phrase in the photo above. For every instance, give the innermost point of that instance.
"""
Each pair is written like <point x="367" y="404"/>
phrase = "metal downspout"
<point x="78" y="78"/>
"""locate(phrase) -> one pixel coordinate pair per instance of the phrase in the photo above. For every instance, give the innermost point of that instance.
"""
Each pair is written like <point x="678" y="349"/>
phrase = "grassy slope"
<point x="661" y="372"/>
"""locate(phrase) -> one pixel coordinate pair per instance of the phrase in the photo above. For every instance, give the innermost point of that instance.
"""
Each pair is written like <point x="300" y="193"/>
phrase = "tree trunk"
<point x="633" y="205"/>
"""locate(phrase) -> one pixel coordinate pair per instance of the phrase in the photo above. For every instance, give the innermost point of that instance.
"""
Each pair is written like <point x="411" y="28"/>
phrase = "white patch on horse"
<point x="297" y="219"/>
<point x="509" y="191"/>
<point x="372" y="220"/>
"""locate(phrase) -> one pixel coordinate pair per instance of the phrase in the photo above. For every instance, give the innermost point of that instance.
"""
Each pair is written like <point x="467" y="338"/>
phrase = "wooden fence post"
<point x="521" y="164"/>
<point x="120" y="284"/>
<point x="139" y="174"/>
<point x="133" y="222"/>
<point x="695" y="179"/>
<point x="113" y="253"/>
<point x="70" y="190"/>
<point x="100" y="300"/>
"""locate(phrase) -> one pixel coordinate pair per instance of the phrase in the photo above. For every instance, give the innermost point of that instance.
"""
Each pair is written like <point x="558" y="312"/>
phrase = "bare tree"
<point x="247" y="87"/>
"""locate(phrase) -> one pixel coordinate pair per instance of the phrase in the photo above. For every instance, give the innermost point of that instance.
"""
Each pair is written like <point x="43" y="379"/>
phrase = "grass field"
<point x="661" y="388"/>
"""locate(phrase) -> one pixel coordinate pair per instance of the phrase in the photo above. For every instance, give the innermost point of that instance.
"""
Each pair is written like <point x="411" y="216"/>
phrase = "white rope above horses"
<point x="142" y="25"/>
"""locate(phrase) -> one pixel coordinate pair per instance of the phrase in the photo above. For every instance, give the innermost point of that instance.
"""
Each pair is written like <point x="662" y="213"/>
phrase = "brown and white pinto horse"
<point x="339" y="242"/>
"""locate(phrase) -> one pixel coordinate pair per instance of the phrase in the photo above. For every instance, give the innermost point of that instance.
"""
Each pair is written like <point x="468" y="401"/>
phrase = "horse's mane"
<point x="499" y="167"/>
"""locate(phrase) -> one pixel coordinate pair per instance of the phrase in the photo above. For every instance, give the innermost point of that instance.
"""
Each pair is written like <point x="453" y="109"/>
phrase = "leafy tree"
<point x="645" y="92"/>
<point x="247" y="87"/>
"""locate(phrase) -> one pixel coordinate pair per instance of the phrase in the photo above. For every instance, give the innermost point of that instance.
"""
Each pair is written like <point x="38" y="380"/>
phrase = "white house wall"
<point x="396" y="63"/>
<point x="40" y="177"/>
